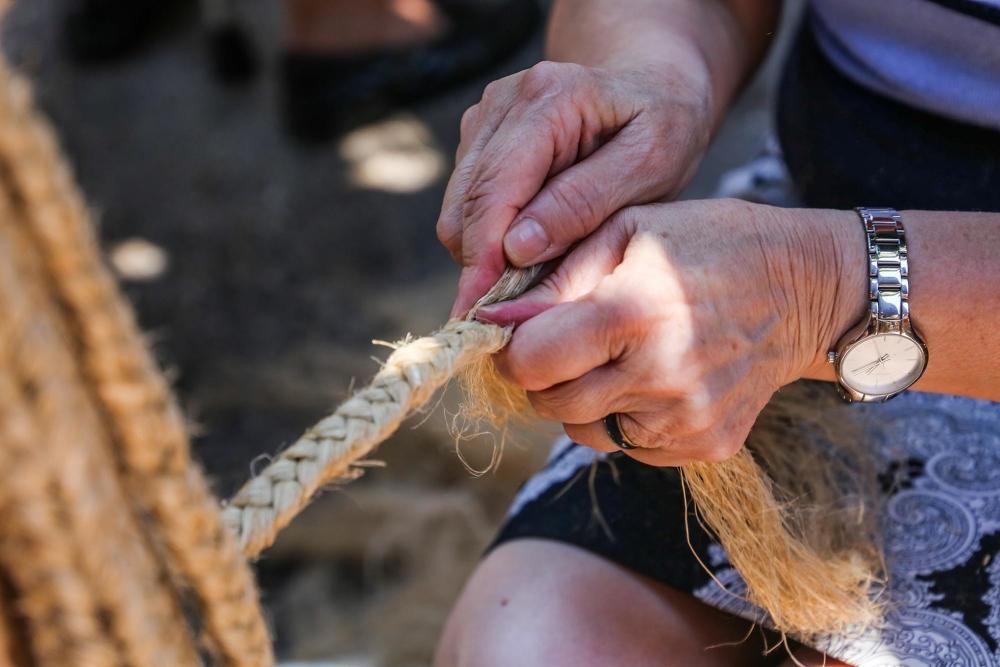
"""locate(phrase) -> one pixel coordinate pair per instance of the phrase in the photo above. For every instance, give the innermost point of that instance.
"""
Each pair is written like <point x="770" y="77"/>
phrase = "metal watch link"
<point x="882" y="355"/>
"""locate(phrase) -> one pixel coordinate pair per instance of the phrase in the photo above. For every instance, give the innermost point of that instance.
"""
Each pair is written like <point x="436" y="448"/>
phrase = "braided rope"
<point x="37" y="553"/>
<point x="327" y="451"/>
<point x="54" y="601"/>
<point x="133" y="397"/>
<point x="10" y="643"/>
<point x="139" y="613"/>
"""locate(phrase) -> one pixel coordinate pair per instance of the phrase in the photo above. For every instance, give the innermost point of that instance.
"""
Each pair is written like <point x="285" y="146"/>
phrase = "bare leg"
<point x="536" y="602"/>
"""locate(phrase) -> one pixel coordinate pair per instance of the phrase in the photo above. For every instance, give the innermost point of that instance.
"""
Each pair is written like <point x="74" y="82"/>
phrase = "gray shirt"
<point x="938" y="55"/>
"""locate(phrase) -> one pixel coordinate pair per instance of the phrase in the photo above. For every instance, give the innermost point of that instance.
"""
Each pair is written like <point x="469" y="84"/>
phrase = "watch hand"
<point x="870" y="363"/>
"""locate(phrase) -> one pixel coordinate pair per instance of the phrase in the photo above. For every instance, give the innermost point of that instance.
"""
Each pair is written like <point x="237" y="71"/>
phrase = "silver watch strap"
<point x="888" y="272"/>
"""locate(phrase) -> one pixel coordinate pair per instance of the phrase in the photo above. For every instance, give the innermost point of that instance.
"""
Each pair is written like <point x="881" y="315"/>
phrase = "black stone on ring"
<point x="613" y="425"/>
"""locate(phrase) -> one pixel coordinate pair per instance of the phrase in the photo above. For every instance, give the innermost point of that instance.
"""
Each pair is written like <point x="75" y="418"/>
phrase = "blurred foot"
<point x="349" y="26"/>
<point x="343" y="70"/>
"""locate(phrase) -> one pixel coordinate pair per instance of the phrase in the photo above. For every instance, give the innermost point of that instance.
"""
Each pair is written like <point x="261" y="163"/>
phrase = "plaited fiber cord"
<point x="57" y="607"/>
<point x="327" y="451"/>
<point x="411" y="375"/>
<point x="133" y="399"/>
<point x="72" y="462"/>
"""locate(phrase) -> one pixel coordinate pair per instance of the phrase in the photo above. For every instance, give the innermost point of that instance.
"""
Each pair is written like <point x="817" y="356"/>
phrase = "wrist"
<point x="816" y="263"/>
<point x="839" y="275"/>
<point x="665" y="45"/>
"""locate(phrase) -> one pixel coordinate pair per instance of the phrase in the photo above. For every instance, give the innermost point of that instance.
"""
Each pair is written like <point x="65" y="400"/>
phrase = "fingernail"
<point x="487" y="314"/>
<point x="500" y="314"/>
<point x="525" y="241"/>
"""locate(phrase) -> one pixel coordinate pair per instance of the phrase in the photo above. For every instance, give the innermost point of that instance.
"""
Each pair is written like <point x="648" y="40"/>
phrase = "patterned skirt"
<point x="938" y="460"/>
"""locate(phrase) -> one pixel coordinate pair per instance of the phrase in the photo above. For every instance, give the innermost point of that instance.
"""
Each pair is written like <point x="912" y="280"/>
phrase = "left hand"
<point x="685" y="318"/>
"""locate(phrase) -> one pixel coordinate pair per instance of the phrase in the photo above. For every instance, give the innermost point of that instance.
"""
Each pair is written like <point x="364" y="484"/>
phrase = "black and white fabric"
<point x="939" y="459"/>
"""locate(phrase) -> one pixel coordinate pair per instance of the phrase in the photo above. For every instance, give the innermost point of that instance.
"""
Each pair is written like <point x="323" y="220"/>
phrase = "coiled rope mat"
<point x="112" y="549"/>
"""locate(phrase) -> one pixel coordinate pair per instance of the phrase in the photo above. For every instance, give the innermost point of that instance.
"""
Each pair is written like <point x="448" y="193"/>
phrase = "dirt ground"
<point x="262" y="272"/>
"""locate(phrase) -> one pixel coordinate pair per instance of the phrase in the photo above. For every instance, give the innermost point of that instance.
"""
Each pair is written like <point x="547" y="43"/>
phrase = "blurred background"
<point x="267" y="175"/>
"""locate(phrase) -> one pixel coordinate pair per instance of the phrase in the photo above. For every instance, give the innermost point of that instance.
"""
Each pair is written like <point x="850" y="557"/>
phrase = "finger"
<point x="595" y="435"/>
<point x="563" y="343"/>
<point x="578" y="433"/>
<point x="577" y="200"/>
<point x="504" y="178"/>
<point x="589" y="398"/>
<point x="478" y="125"/>
<point x="577" y="275"/>
<point x="544" y="133"/>
<point x="714" y="445"/>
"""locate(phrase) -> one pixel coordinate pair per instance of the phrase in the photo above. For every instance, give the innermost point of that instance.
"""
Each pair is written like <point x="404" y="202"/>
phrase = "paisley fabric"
<point x="939" y="467"/>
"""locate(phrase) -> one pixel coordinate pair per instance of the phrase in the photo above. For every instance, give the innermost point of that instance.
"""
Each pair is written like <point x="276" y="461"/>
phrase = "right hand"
<point x="553" y="151"/>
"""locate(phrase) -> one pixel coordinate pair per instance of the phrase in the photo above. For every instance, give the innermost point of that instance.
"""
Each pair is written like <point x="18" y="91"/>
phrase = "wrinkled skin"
<point x="685" y="318"/>
<point x="600" y="140"/>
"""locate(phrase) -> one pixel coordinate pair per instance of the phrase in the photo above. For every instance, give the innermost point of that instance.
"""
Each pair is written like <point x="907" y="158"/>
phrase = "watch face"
<point x="882" y="364"/>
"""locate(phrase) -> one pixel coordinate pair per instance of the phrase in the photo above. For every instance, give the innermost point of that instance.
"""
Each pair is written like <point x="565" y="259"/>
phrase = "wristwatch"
<point x="883" y="355"/>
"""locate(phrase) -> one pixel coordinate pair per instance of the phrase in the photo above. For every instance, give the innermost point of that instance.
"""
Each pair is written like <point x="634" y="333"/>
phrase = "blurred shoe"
<point x="232" y="54"/>
<point x="325" y="95"/>
<point x="100" y="31"/>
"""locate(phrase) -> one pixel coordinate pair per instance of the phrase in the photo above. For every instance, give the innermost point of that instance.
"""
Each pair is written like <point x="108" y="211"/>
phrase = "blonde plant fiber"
<point x="793" y="509"/>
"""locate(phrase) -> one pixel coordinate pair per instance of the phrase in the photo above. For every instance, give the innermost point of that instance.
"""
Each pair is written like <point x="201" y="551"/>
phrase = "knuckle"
<point x="625" y="319"/>
<point x="444" y="231"/>
<point x="479" y="193"/>
<point x="449" y="234"/>
<point x="469" y="119"/>
<point x="643" y="436"/>
<point x="541" y="406"/>
<point x="578" y="202"/>
<point x="545" y="78"/>
<point x="613" y="322"/>
<point x="475" y="202"/>
<point x="700" y="409"/>
<point x="649" y="147"/>
<point x="492" y="93"/>
<point x="721" y="449"/>
<point x="563" y="406"/>
<point x="684" y="123"/>
<point x="626" y="219"/>
<point x="520" y="369"/>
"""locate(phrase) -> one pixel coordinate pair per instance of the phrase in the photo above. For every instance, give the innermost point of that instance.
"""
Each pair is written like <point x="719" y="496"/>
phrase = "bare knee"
<point x="534" y="602"/>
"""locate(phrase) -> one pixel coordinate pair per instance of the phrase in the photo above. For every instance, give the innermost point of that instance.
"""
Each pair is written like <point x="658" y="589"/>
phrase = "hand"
<point x="553" y="151"/>
<point x="684" y="318"/>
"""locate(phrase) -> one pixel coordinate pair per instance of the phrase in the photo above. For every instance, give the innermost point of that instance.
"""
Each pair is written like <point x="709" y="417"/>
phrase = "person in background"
<point x="343" y="63"/>
<point x="664" y="328"/>
<point x="346" y="63"/>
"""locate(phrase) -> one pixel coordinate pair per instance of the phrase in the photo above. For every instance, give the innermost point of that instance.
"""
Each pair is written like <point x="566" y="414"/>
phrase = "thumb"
<point x="575" y="202"/>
